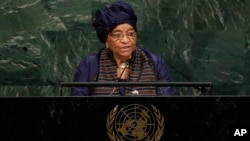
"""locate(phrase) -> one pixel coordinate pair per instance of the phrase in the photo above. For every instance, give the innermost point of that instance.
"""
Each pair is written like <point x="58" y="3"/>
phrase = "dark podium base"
<point x="84" y="118"/>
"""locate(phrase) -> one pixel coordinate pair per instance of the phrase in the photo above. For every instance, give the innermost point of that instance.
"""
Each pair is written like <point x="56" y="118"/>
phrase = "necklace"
<point x="121" y="67"/>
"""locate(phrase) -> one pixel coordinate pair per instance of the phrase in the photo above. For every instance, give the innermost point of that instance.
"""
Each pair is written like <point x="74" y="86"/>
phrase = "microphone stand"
<point x="127" y="65"/>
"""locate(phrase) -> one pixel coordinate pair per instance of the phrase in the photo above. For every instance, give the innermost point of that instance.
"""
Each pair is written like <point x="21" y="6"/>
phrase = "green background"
<point x="42" y="41"/>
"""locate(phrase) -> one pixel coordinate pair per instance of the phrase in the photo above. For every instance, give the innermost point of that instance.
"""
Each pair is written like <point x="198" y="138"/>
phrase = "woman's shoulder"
<point x="94" y="56"/>
<point x="90" y="57"/>
<point x="153" y="57"/>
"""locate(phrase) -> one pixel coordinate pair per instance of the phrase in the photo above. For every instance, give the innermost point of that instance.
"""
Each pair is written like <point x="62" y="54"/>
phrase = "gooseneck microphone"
<point x="127" y="65"/>
<point x="119" y="78"/>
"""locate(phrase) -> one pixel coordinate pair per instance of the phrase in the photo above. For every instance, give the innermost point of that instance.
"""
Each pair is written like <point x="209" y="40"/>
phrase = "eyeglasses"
<point x="119" y="36"/>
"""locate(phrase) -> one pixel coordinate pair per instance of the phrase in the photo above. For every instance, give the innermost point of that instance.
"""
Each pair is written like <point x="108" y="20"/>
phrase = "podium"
<point x="204" y="88"/>
<point x="192" y="118"/>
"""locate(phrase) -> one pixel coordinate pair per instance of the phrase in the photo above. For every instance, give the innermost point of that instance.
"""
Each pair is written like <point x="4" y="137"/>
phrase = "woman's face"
<point x="122" y="41"/>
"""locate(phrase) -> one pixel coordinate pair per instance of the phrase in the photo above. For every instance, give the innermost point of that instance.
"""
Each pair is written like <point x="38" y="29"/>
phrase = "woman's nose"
<point x="124" y="38"/>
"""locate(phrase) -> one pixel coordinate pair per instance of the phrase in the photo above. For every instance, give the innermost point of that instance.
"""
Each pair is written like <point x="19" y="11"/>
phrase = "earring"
<point x="107" y="45"/>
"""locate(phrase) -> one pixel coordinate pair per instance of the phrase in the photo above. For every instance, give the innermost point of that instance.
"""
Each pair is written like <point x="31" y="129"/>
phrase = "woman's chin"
<point x="126" y="54"/>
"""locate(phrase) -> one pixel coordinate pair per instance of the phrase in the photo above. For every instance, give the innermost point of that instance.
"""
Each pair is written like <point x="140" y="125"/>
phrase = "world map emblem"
<point x="135" y="122"/>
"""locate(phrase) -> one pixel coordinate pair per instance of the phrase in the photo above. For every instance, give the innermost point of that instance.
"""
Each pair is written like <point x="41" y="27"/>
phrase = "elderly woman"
<point x="120" y="60"/>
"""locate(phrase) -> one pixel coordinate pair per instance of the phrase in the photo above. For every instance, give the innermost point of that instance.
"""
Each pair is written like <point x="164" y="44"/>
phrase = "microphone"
<point x="127" y="65"/>
<point x="119" y="78"/>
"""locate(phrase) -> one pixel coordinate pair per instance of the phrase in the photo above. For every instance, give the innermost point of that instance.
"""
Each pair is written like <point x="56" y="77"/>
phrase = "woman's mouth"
<point x="125" y="49"/>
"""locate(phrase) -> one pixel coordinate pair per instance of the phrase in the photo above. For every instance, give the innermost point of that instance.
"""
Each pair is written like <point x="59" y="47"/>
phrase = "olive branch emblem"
<point x="158" y="133"/>
<point x="160" y="120"/>
<point x="109" y="124"/>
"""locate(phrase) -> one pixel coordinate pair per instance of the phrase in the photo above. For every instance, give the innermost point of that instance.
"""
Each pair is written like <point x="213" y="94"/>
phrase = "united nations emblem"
<point x="135" y="122"/>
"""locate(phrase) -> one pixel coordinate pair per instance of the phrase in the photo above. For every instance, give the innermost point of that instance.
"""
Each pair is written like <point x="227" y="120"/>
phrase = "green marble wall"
<point x="42" y="41"/>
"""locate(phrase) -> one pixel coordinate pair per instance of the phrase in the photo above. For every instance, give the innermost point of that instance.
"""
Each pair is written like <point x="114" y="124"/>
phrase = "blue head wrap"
<point x="108" y="17"/>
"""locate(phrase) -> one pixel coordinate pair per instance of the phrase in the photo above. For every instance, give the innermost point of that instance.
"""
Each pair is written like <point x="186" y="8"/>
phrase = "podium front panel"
<point x="124" y="118"/>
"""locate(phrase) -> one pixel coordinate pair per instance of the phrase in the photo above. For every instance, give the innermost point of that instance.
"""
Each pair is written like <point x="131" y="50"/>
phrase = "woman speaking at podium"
<point x="120" y="60"/>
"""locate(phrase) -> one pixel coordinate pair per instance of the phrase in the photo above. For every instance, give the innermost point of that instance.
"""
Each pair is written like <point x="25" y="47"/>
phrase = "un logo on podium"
<point x="135" y="122"/>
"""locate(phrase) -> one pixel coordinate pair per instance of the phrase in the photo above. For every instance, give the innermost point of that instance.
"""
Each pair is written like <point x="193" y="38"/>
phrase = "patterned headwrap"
<point x="108" y="17"/>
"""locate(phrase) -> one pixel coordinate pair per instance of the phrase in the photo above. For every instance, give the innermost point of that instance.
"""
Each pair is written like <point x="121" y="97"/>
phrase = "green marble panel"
<point x="20" y="59"/>
<point x="41" y="42"/>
